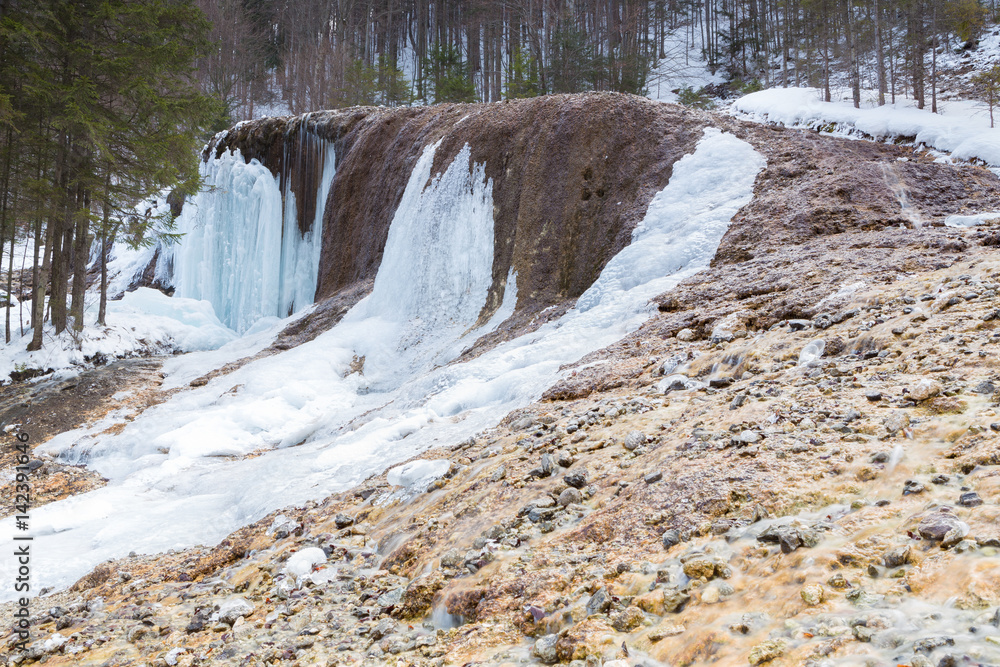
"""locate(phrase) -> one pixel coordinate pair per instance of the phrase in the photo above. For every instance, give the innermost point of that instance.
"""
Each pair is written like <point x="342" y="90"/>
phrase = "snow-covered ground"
<point x="177" y="473"/>
<point x="961" y="129"/>
<point x="682" y="67"/>
<point x="144" y="322"/>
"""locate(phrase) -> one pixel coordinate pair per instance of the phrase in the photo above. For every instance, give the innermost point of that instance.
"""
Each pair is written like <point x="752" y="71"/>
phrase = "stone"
<point x="710" y="595"/>
<point x="897" y="557"/>
<point x="570" y="496"/>
<point x="343" y="521"/>
<point x="985" y="387"/>
<point x="627" y="620"/>
<point x="970" y="499"/>
<point x="664" y="630"/>
<point x="925" y="389"/>
<point x="685" y="335"/>
<point x="545" y="649"/>
<point x="451" y="558"/>
<point x="789" y="538"/>
<point x="233" y="608"/>
<point x="634" y="439"/>
<point x="599" y="602"/>
<point x="391" y="597"/>
<point x="930" y="643"/>
<point x="577" y="479"/>
<point x="813" y="594"/>
<point x="670" y="538"/>
<point x="873" y="396"/>
<point x="383" y="628"/>
<point x="896" y="421"/>
<point x="937" y="525"/>
<point x="799" y="325"/>
<point x="653" y="477"/>
<point x="913" y="487"/>
<point x="767" y="651"/>
<point x="698" y="568"/>
<point x="940" y="479"/>
<point x="749" y="437"/>
<point x="674" y="600"/>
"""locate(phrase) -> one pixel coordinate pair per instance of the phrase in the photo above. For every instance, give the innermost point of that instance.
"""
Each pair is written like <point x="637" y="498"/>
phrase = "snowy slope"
<point x="962" y="130"/>
<point x="180" y="467"/>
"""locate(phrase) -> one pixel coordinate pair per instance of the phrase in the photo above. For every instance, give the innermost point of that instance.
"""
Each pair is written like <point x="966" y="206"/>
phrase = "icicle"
<point x="242" y="249"/>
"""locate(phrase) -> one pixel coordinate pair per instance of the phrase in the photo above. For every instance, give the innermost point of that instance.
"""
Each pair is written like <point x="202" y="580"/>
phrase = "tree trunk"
<point x="879" y="54"/>
<point x="80" y="256"/>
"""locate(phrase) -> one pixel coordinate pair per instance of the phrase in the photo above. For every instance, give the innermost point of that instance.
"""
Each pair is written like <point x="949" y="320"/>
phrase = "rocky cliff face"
<point x="572" y="175"/>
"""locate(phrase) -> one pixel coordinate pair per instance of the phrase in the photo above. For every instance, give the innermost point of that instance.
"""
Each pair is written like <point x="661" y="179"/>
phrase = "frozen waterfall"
<point x="375" y="389"/>
<point x="242" y="249"/>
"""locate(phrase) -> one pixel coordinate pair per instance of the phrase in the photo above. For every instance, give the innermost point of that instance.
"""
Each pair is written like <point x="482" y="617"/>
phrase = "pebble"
<point x="767" y="651"/>
<point x="570" y="496"/>
<point x="634" y="439"/>
<point x="233" y="608"/>
<point x="599" y="602"/>
<point x="897" y="557"/>
<point x="925" y="389"/>
<point x="685" y="335"/>
<point x="627" y="620"/>
<point x="938" y="525"/>
<point x="653" y="477"/>
<point x="545" y="649"/>
<point x="873" y="396"/>
<point x="577" y="479"/>
<point x="970" y="499"/>
<point x="985" y="387"/>
<point x="710" y="595"/>
<point x="670" y="538"/>
<point x="813" y="594"/>
<point x="896" y="421"/>
<point x="674" y="600"/>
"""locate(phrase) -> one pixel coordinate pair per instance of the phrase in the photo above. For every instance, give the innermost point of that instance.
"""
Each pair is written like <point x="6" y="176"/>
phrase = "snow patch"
<point x="416" y="473"/>
<point x="964" y="134"/>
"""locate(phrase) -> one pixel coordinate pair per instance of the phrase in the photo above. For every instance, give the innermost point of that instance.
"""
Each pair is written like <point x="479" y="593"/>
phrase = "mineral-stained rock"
<point x="767" y="651"/>
<point x="627" y="620"/>
<point x="545" y="649"/>
<point x="599" y="602"/>
<point x="418" y="595"/>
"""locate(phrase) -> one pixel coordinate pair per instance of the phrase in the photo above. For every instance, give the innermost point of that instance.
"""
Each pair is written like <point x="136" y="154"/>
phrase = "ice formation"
<point x="242" y="249"/>
<point x="179" y="475"/>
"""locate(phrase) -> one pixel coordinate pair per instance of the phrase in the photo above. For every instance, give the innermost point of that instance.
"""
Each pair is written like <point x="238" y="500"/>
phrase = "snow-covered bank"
<point x="964" y="133"/>
<point x="144" y="322"/>
<point x="177" y="473"/>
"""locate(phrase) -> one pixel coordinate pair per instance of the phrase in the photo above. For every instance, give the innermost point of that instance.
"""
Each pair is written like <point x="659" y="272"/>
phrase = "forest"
<point x="312" y="54"/>
<point x="104" y="103"/>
